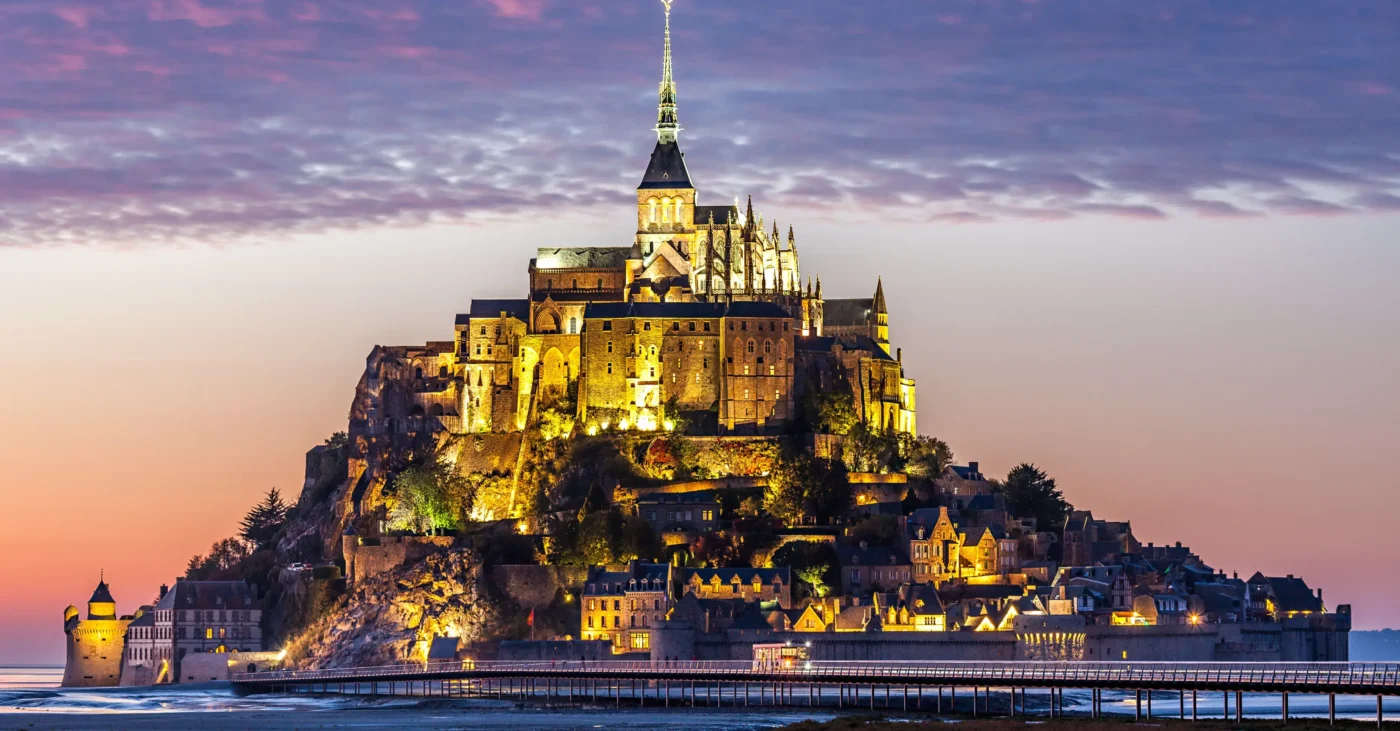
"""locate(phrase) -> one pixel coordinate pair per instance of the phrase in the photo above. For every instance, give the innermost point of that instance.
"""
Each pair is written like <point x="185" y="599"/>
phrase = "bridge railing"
<point x="1261" y="676"/>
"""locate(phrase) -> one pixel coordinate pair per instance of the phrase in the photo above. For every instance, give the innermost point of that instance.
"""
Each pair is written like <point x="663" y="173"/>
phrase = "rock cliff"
<point x="393" y="617"/>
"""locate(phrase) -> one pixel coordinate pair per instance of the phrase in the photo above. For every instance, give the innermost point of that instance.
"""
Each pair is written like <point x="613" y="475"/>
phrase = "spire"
<point x="819" y="286"/>
<point x="880" y="297"/>
<point x="710" y="257"/>
<point x="749" y="220"/>
<point x="792" y="239"/>
<point x="668" y="125"/>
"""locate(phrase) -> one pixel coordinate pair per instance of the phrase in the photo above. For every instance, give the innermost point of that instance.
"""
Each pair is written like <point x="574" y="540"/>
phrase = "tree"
<point x="430" y="497"/>
<point x="799" y="477"/>
<point x="812" y="562"/>
<point x="223" y="556"/>
<point x="1032" y="493"/>
<point x="261" y="523"/>
<point x="868" y="450"/>
<point x="830" y="410"/>
<point x="877" y="530"/>
<point x="925" y="457"/>
<point x="715" y="550"/>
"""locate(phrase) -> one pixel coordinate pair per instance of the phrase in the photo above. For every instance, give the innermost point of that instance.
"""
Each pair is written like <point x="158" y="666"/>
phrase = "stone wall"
<point x="545" y="650"/>
<point x="95" y="648"/>
<point x="367" y="558"/>
<point x="206" y="667"/>
<point x="629" y="495"/>
<point x="1161" y="643"/>
<point x="535" y="586"/>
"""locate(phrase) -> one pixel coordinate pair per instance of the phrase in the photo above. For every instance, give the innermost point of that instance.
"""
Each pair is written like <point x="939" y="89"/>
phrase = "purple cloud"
<point x="160" y="120"/>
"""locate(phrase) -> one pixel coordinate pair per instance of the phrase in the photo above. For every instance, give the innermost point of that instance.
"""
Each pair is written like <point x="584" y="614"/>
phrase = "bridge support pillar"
<point x="1331" y="709"/>
<point x="1137" y="713"/>
<point x="1239" y="705"/>
<point x="1380" y="712"/>
<point x="1285" y="706"/>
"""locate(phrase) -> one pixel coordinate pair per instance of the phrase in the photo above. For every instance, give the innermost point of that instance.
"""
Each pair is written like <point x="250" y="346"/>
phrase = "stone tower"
<point x="666" y="197"/>
<point x="95" y="644"/>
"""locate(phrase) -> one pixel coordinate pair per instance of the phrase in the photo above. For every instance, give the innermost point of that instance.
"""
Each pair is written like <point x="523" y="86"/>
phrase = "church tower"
<point x="881" y="315"/>
<point x="666" y="197"/>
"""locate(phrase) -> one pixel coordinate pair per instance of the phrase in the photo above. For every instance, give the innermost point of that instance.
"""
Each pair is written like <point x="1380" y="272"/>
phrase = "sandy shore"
<point x="423" y="716"/>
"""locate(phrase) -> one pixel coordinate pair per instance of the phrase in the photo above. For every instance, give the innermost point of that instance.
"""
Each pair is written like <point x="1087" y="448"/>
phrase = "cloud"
<point x="167" y="120"/>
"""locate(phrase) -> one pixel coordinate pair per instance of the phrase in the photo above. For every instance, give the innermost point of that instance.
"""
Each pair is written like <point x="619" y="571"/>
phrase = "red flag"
<point x="531" y="620"/>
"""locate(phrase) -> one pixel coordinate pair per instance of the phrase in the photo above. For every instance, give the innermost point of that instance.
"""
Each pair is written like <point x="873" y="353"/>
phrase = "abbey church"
<point x="705" y="316"/>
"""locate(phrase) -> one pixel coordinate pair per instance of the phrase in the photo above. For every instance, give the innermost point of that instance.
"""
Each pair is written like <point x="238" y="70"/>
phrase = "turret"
<point x="102" y="605"/>
<point x="881" y="330"/>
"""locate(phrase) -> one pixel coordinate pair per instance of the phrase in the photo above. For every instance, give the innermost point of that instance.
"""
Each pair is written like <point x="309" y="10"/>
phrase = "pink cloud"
<point x="76" y="16"/>
<point x="527" y="9"/>
<point x="191" y="10"/>
<point x="307" y="12"/>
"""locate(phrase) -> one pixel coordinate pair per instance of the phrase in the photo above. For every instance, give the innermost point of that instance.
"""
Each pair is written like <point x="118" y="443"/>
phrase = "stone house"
<point x="690" y="512"/>
<point x="198" y="617"/>
<point x="622" y="607"/>
<point x="750" y="585"/>
<point x="866" y="569"/>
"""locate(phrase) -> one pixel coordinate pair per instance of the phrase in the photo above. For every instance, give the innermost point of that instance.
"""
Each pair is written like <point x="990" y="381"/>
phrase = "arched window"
<point x="651" y="204"/>
<point x="680" y="204"/>
<point x="599" y="285"/>
<point x="573" y="325"/>
<point x="767" y="347"/>
<point x="417" y="372"/>
<point x="751" y="347"/>
<point x="549" y="284"/>
<point x="666" y="209"/>
<point x="574" y="285"/>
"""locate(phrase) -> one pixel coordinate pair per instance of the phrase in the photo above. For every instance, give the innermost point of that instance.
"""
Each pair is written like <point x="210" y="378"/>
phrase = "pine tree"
<point x="261" y="523"/>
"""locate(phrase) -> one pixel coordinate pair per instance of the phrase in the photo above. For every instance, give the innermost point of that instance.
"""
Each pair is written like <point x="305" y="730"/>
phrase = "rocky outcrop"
<point x="392" y="618"/>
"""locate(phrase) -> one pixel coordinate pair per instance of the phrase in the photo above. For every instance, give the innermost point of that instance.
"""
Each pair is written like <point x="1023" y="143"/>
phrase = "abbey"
<point x="705" y="314"/>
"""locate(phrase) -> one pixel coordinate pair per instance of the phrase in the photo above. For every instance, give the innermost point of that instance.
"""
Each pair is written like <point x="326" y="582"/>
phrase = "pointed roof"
<point x="880" y="297"/>
<point x="668" y="125"/>
<point x="102" y="593"/>
<point x="666" y="169"/>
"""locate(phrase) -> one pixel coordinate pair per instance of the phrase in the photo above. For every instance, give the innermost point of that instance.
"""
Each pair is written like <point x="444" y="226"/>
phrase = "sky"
<point x="1148" y="246"/>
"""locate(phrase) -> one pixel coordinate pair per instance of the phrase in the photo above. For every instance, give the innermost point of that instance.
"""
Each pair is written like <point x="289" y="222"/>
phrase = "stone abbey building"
<point x="705" y="312"/>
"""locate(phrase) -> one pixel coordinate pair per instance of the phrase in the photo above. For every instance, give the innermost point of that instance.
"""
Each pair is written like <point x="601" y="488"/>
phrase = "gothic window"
<point x="573" y="325"/>
<point x="767" y="347"/>
<point x="651" y="205"/>
<point x="574" y="285"/>
<point x="751" y="347"/>
<point x="417" y="372"/>
<point x="666" y="210"/>
<point x="679" y="204"/>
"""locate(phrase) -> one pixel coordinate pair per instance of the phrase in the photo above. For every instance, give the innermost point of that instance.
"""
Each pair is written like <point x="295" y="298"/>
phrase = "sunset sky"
<point x="1150" y="246"/>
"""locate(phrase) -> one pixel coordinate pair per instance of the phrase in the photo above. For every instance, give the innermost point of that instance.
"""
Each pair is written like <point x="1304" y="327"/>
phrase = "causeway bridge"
<point x="936" y="686"/>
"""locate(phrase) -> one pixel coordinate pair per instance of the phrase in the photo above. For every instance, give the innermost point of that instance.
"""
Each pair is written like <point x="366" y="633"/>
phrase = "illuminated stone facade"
<point x="625" y="607"/>
<point x="705" y="310"/>
<point x="94" y="645"/>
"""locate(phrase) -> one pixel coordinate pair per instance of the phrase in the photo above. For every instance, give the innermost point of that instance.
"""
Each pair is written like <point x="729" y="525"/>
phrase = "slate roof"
<point x="1293" y="595"/>
<point x="444" y="648"/>
<point x="209" y="595"/>
<point x="620" y="310"/>
<point x="966" y="472"/>
<point x="617" y="582"/>
<point x="681" y="310"/>
<point x="721" y="214"/>
<point x="492" y="309"/>
<point x="666" y="168"/>
<point x="869" y="556"/>
<point x="847" y="313"/>
<point x="746" y="576"/>
<point x="679" y="498"/>
<point x="582" y="257"/>
<point x="102" y="594"/>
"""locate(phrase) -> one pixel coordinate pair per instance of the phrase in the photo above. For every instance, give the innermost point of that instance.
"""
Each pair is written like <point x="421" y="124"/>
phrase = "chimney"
<point x="1290" y="576"/>
<point x="1178" y="544"/>
<point x="899" y="354"/>
<point x="163" y="591"/>
<point x="1319" y="593"/>
<point x="1237" y="574"/>
<point x="972" y="466"/>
